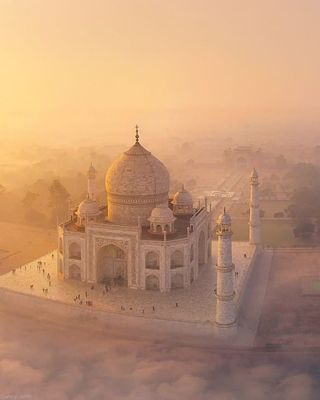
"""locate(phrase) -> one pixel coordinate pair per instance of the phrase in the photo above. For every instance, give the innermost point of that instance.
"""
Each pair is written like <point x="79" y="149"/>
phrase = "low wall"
<point x="240" y="295"/>
<point x="313" y="249"/>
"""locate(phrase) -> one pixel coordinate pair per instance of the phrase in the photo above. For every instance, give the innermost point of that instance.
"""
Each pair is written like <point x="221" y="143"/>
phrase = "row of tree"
<point x="58" y="199"/>
<point x="304" y="209"/>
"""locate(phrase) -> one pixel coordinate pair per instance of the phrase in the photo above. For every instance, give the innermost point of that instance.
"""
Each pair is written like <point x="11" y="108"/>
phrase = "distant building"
<point x="242" y="158"/>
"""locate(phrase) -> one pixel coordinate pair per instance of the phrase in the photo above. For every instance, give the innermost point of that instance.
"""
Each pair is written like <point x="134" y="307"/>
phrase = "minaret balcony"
<point x="225" y="269"/>
<point x="224" y="297"/>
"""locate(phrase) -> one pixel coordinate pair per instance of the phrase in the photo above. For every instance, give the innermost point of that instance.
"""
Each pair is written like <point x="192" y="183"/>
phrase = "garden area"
<point x="275" y="233"/>
<point x="269" y="208"/>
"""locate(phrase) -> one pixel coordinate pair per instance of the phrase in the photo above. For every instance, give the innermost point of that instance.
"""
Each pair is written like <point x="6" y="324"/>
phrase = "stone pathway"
<point x="254" y="296"/>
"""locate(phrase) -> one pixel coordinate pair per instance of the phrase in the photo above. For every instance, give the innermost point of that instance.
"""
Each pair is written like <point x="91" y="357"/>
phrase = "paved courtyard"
<point x="195" y="304"/>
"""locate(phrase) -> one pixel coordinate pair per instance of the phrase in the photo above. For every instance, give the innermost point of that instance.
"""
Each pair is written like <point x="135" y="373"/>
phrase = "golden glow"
<point x="81" y="66"/>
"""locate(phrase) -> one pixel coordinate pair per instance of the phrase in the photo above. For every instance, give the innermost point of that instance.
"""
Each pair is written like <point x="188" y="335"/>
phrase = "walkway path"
<point x="251" y="307"/>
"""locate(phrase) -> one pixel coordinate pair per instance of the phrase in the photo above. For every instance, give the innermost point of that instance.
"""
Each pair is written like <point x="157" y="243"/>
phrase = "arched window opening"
<point x="152" y="260"/>
<point x="152" y="282"/>
<point x="177" y="281"/>
<point x="201" y="249"/>
<point x="191" y="253"/>
<point x="112" y="265"/>
<point x="75" y="251"/>
<point x="74" y="272"/>
<point x="176" y="259"/>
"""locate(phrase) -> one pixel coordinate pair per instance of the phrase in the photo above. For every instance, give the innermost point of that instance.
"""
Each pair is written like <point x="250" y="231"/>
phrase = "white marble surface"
<point x="196" y="304"/>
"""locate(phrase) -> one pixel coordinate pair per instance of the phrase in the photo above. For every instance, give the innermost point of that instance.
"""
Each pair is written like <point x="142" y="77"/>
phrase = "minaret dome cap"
<point x="91" y="171"/>
<point x="254" y="173"/>
<point x="224" y="218"/>
<point x="183" y="198"/>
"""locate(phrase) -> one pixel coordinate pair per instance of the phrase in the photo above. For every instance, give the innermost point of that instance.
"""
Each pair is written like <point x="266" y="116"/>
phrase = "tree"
<point x="305" y="198"/>
<point x="304" y="203"/>
<point x="29" y="199"/>
<point x="303" y="175"/>
<point x="304" y="208"/>
<point x="58" y="201"/>
<point x="304" y="230"/>
<point x="31" y="215"/>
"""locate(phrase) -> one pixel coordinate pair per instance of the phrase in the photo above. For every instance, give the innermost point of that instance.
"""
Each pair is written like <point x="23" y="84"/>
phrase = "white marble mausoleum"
<point x="140" y="238"/>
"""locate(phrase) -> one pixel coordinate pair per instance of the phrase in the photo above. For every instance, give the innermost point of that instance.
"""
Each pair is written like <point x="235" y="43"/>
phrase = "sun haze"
<point x="97" y="67"/>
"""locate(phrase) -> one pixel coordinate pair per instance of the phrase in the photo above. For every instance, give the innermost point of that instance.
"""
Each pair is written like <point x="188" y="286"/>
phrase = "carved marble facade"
<point x="176" y="262"/>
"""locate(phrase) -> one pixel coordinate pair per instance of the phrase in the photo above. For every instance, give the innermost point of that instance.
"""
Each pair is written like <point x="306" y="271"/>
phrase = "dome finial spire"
<point x="137" y="134"/>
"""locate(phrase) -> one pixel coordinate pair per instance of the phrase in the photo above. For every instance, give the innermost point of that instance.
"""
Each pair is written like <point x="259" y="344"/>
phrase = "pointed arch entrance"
<point x="177" y="281"/>
<point x="112" y="265"/>
<point x="152" y="282"/>
<point x="74" y="272"/>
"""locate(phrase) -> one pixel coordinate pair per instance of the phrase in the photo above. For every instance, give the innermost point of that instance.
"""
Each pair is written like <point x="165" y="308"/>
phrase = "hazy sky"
<point x="96" y="67"/>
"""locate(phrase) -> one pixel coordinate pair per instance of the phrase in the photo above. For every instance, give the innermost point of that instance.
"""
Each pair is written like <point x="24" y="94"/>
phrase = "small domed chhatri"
<point x="88" y="210"/>
<point x="182" y="202"/>
<point x="162" y="220"/>
<point x="136" y="182"/>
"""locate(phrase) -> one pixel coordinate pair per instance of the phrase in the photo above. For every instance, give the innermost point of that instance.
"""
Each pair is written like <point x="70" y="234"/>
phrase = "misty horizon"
<point x="80" y="72"/>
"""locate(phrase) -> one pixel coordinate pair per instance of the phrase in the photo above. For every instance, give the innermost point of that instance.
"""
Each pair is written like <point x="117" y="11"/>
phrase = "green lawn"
<point x="274" y="233"/>
<point x="239" y="210"/>
<point x="270" y="207"/>
<point x="316" y="286"/>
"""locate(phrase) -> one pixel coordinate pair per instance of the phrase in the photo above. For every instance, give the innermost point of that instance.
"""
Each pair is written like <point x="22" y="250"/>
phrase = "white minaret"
<point x="226" y="321"/>
<point x="254" y="222"/>
<point x="92" y="182"/>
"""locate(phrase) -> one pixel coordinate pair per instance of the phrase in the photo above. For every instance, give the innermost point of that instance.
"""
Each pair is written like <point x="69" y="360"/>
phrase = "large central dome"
<point x="136" y="182"/>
